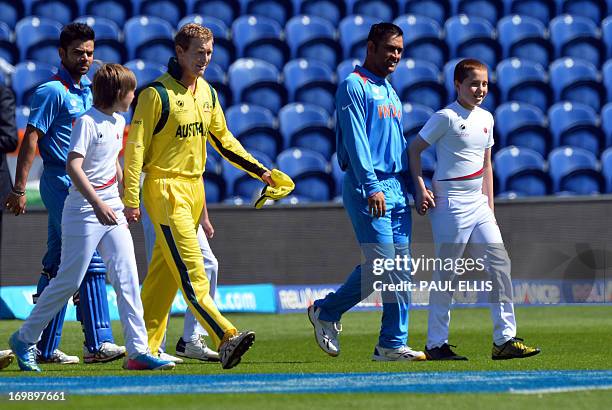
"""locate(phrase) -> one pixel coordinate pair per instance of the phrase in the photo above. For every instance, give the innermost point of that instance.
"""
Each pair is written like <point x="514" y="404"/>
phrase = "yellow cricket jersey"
<point x="176" y="145"/>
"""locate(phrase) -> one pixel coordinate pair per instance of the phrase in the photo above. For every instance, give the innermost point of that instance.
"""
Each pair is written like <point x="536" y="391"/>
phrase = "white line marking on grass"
<point x="552" y="390"/>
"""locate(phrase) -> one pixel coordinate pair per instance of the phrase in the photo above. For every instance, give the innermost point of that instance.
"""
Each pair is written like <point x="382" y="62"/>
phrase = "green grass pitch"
<point x="576" y="337"/>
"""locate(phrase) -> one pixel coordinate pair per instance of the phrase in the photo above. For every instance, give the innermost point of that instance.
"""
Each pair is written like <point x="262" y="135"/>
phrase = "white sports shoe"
<point x="6" y="358"/>
<point x="196" y="350"/>
<point x="58" y="357"/>
<point x="403" y="353"/>
<point x="169" y="358"/>
<point x="106" y="353"/>
<point x="326" y="333"/>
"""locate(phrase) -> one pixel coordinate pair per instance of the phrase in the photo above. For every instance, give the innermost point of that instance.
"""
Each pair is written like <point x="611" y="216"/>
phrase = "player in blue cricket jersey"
<point x="54" y="107"/>
<point x="372" y="150"/>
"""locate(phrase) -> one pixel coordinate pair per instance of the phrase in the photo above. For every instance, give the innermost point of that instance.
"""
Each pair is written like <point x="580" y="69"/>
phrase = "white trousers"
<point x="192" y="330"/>
<point x="457" y="223"/>
<point x="82" y="233"/>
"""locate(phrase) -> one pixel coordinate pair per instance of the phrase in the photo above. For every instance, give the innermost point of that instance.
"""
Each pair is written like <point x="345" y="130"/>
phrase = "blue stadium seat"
<point x="255" y="127"/>
<point x="509" y="195"/>
<point x="606" y="28"/>
<point x="294" y="200"/>
<point x="310" y="82"/>
<point x="215" y="75"/>
<point x="63" y="11"/>
<point x="11" y="12"/>
<point x="606" y="72"/>
<point x="521" y="170"/>
<point x="224" y="10"/>
<point x="22" y="113"/>
<point x="438" y="10"/>
<point x="428" y="165"/>
<point x="279" y="10"/>
<point x="524" y="37"/>
<point x="149" y="39"/>
<point x="260" y="37"/>
<point x="345" y="68"/>
<point x="543" y="10"/>
<point x="313" y="38"/>
<point x="109" y="46"/>
<point x="578" y="81"/>
<point x="525" y="81"/>
<point x="307" y="126"/>
<point x="576" y="125"/>
<point x="224" y="51"/>
<point x="490" y="10"/>
<point x="606" y="168"/>
<point x="337" y="175"/>
<point x="331" y="10"/>
<point x="37" y="39"/>
<point x="523" y="125"/>
<point x="606" y="123"/>
<point x="382" y="10"/>
<point x="423" y="39"/>
<point x="419" y="81"/>
<point x="117" y="10"/>
<point x="214" y="183"/>
<point x="8" y="50"/>
<point x="241" y="185"/>
<point x="309" y="171"/>
<point x="170" y="10"/>
<point x="575" y="170"/>
<point x="353" y="33"/>
<point x="490" y="102"/>
<point x="592" y="9"/>
<point x="27" y="76"/>
<point x="577" y="37"/>
<point x="414" y="116"/>
<point x="256" y="82"/>
<point x="145" y="72"/>
<point x="472" y="36"/>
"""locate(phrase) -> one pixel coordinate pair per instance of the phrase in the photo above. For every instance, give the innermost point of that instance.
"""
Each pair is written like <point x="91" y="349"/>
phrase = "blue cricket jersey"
<point x="369" y="135"/>
<point x="55" y="106"/>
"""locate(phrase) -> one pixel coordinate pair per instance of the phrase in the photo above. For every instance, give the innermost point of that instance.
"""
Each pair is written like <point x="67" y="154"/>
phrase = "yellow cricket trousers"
<point x="174" y="206"/>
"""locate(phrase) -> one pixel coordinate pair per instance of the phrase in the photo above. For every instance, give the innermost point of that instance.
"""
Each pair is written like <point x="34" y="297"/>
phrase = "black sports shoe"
<point x="513" y="349"/>
<point x="443" y="352"/>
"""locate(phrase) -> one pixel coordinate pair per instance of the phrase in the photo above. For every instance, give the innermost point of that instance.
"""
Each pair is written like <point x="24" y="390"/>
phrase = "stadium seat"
<point x="606" y="168"/>
<point x="331" y="10"/>
<point x="309" y="171"/>
<point x="8" y="50"/>
<point x="521" y="170"/>
<point x="63" y="11"/>
<point x="215" y="75"/>
<point x="224" y="51"/>
<point x="145" y="72"/>
<point x="578" y="81"/>
<point x="523" y="125"/>
<point x="11" y="12"/>
<point x="307" y="126"/>
<point x="214" y="183"/>
<point x="260" y="37"/>
<point x="606" y="34"/>
<point x="524" y="37"/>
<point x="414" y="116"/>
<point x="575" y="170"/>
<point x="345" y="68"/>
<point x="353" y="31"/>
<point x="337" y="174"/>
<point x="294" y="200"/>
<point x="543" y="10"/>
<point x="576" y="125"/>
<point x="490" y="102"/>
<point x="606" y="123"/>
<point x="428" y="164"/>
<point x="22" y="113"/>
<point x="490" y="10"/>
<point x="313" y="38"/>
<point x="524" y="81"/>
<point x="278" y="10"/>
<point x="310" y="82"/>
<point x="509" y="195"/>
<point x="149" y="39"/>
<point x="423" y="39"/>
<point x="109" y="47"/>
<point x="170" y="10"/>
<point x="577" y="37"/>
<point x="419" y="81"/>
<point x="256" y="82"/>
<point x="472" y="36"/>
<point x="240" y="184"/>
<point x="27" y="76"/>
<point x="224" y="10"/>
<point x="438" y="10"/>
<point x="382" y="10"/>
<point x="37" y="39"/>
<point x="594" y="10"/>
<point x="255" y="127"/>
<point x="606" y="72"/>
<point x="117" y="10"/>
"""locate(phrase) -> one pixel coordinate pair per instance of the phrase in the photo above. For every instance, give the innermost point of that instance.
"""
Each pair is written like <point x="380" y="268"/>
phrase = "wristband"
<point x="18" y="193"/>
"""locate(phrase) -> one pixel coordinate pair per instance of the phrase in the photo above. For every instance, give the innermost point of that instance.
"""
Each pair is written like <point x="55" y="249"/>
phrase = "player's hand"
<point x="16" y="204"/>
<point x="208" y="228"/>
<point x="423" y="201"/>
<point x="105" y="214"/>
<point x="267" y="178"/>
<point x="377" y="205"/>
<point x="131" y="214"/>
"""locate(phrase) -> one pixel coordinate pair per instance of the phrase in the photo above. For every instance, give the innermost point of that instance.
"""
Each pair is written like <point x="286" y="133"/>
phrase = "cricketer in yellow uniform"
<point x="167" y="140"/>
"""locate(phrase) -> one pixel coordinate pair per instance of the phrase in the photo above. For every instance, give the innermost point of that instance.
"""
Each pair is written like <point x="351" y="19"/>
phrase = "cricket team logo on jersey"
<point x="194" y="129"/>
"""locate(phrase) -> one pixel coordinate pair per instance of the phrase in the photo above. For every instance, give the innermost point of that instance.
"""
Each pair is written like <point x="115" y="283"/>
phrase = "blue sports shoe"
<point x="26" y="355"/>
<point x="147" y="361"/>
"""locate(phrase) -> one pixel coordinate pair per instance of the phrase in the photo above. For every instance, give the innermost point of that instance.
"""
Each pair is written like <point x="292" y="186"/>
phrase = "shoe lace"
<point x="32" y="352"/>
<point x="518" y="343"/>
<point x="446" y="348"/>
<point x="337" y="326"/>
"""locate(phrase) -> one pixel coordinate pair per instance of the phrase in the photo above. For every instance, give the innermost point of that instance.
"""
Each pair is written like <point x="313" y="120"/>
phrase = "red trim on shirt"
<point x="61" y="80"/>
<point x="475" y="175"/>
<point x="361" y="75"/>
<point x="107" y="184"/>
